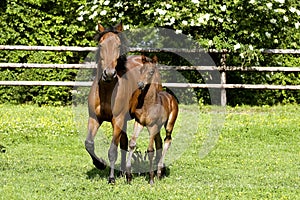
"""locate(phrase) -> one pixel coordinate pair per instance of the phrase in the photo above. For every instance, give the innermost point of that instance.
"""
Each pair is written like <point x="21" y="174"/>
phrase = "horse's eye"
<point x="151" y="72"/>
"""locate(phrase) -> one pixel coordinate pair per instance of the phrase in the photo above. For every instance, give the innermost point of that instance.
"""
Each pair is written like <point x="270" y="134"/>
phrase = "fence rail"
<point x="223" y="69"/>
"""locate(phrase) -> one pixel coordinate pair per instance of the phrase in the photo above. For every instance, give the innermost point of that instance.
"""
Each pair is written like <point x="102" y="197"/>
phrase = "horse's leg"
<point x="152" y="131"/>
<point x="167" y="144"/>
<point x="123" y="147"/>
<point x="169" y="125"/>
<point x="93" y="126"/>
<point x="118" y="124"/>
<point x="158" y="147"/>
<point x="132" y="144"/>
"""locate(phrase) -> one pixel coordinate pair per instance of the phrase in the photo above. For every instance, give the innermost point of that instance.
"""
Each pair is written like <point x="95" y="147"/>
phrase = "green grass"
<point x="257" y="155"/>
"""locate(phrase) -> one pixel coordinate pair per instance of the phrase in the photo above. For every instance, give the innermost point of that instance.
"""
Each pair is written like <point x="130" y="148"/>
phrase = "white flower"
<point x="297" y="25"/>
<point x="178" y="31"/>
<point x="80" y="18"/>
<point x="298" y="12"/>
<point x="276" y="41"/>
<point x="252" y="1"/>
<point x="119" y="4"/>
<point x="106" y="2"/>
<point x="94" y="7"/>
<point x="268" y="34"/>
<point x="292" y="9"/>
<point x="220" y="20"/>
<point x="237" y="46"/>
<point x="171" y="22"/>
<point x="285" y="18"/>
<point x="251" y="47"/>
<point x="161" y="11"/>
<point x="95" y="1"/>
<point x="206" y="16"/>
<point x="242" y="55"/>
<point x="114" y="19"/>
<point x="210" y="43"/>
<point x="280" y="1"/>
<point x="195" y="1"/>
<point x="184" y="22"/>
<point x="223" y="8"/>
<point x="269" y="5"/>
<point x="168" y="6"/>
<point x="103" y="12"/>
<point x="192" y="22"/>
<point x="273" y="21"/>
<point x="126" y="27"/>
<point x="93" y="15"/>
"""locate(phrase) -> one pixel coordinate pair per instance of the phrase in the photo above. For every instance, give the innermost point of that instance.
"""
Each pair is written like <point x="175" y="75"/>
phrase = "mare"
<point x="110" y="94"/>
<point x="151" y="107"/>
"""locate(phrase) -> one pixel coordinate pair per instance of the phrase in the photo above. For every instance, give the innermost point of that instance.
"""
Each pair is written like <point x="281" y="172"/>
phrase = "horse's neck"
<point x="151" y="95"/>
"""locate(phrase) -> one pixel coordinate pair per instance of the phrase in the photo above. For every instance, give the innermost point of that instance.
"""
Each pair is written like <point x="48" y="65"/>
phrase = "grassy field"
<point x="256" y="155"/>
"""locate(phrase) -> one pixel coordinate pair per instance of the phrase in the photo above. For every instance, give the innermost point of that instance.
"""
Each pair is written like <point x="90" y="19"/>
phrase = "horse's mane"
<point x="123" y="49"/>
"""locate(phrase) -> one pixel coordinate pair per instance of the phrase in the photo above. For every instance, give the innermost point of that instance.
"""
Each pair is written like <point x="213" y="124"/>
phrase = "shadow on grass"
<point x="103" y="174"/>
<point x="95" y="173"/>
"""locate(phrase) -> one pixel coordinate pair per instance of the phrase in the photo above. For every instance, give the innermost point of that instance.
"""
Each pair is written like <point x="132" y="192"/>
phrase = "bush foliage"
<point x="243" y="27"/>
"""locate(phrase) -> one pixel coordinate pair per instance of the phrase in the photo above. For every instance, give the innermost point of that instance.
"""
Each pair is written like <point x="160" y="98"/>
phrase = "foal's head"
<point x="147" y="72"/>
<point x="110" y="51"/>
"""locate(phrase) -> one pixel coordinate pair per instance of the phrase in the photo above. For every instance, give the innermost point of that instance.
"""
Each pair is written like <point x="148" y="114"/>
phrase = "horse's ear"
<point x="100" y="28"/>
<point x="154" y="59"/>
<point x="119" y="27"/>
<point x="144" y="59"/>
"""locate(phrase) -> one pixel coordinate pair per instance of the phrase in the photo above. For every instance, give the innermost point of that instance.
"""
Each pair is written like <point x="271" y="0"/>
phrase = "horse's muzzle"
<point x="109" y="75"/>
<point x="141" y="85"/>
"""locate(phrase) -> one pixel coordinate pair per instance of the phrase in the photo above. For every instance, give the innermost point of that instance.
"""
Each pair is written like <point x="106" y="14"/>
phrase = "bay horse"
<point x="152" y="107"/>
<point x="110" y="94"/>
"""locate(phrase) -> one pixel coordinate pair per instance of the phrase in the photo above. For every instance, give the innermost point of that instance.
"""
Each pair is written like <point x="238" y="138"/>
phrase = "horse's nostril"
<point x="114" y="73"/>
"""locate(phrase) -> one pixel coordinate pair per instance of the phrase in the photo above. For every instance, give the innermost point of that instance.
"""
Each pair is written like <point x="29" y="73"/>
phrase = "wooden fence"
<point x="222" y="69"/>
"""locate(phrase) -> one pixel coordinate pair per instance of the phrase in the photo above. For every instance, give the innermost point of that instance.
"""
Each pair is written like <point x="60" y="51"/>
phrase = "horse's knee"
<point x="132" y="144"/>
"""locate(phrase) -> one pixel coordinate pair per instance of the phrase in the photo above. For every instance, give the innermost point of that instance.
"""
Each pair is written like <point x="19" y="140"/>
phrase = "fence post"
<point x="223" y="78"/>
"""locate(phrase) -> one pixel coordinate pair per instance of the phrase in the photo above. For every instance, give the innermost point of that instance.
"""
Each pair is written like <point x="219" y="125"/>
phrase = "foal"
<point x="152" y="107"/>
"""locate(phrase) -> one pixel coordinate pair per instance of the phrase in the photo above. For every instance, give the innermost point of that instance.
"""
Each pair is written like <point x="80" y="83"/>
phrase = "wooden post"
<point x="223" y="79"/>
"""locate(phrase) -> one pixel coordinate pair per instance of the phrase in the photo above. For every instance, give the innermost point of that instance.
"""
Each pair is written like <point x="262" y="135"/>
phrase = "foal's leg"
<point x="158" y="147"/>
<point x="93" y="126"/>
<point x="153" y="132"/>
<point x="132" y="144"/>
<point x="167" y="144"/>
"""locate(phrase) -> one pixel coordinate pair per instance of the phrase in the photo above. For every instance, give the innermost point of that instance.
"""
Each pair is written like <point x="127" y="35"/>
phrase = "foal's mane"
<point x="123" y="49"/>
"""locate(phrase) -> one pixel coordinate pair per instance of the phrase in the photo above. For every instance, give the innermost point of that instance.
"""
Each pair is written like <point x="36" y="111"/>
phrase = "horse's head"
<point x="147" y="72"/>
<point x="109" y="51"/>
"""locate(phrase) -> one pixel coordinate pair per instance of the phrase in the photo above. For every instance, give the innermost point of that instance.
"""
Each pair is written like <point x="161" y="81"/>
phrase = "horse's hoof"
<point x="128" y="177"/>
<point x="151" y="182"/>
<point x="111" y="180"/>
<point x="121" y="173"/>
